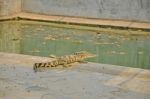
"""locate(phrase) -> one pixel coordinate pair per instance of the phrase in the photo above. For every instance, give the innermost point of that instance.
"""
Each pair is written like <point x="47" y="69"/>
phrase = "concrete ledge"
<point x="19" y="59"/>
<point x="83" y="81"/>
<point x="27" y="60"/>
<point x="79" y="20"/>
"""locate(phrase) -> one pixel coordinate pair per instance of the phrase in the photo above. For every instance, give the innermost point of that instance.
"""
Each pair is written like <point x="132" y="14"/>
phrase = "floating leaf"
<point x="140" y="52"/>
<point x="118" y="45"/>
<point x="49" y="37"/>
<point x="121" y="53"/>
<point x="113" y="52"/>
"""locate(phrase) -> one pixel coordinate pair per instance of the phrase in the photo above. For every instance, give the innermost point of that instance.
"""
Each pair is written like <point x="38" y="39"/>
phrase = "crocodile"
<point x="65" y="61"/>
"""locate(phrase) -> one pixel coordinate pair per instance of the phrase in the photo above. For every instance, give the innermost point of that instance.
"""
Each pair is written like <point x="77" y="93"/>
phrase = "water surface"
<point x="46" y="40"/>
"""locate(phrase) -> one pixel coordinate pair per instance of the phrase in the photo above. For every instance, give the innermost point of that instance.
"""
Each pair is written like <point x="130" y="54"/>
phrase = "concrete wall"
<point x="10" y="37"/>
<point x="8" y="7"/>
<point x="108" y="9"/>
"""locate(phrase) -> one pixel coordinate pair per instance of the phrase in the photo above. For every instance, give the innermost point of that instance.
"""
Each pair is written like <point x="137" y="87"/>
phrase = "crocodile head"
<point x="85" y="54"/>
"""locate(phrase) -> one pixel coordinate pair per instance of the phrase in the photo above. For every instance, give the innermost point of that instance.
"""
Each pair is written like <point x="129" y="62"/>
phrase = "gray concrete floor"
<point x="82" y="81"/>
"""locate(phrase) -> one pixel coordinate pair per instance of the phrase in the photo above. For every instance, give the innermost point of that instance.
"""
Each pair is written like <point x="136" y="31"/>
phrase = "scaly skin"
<point x="65" y="61"/>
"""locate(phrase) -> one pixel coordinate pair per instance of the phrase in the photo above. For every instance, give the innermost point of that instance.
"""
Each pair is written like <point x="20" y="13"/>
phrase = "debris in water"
<point x="118" y="45"/>
<point x="113" y="52"/>
<point x="49" y="37"/>
<point x="67" y="38"/>
<point x="121" y="53"/>
<point x="44" y="43"/>
<point x="140" y="52"/>
<point x="52" y="56"/>
<point x="15" y="39"/>
<point x="27" y="36"/>
<point x="78" y="42"/>
<point x="105" y="43"/>
<point x="40" y="28"/>
<point x="35" y="51"/>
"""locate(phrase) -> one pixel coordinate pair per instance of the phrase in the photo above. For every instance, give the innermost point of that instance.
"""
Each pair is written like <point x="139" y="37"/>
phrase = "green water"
<point x="46" y="40"/>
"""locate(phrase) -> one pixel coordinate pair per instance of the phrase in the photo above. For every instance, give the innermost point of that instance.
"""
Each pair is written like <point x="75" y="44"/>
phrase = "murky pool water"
<point x="46" y="40"/>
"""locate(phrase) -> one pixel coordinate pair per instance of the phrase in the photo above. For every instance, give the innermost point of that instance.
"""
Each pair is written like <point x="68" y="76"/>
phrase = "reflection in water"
<point x="44" y="40"/>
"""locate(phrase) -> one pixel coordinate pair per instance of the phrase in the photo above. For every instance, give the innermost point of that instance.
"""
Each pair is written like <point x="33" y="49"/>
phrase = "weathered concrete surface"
<point x="112" y="9"/>
<point x="82" y="81"/>
<point x="95" y="12"/>
<point x="9" y="7"/>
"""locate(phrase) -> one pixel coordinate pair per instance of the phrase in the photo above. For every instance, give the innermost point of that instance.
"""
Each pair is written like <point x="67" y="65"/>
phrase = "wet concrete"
<point x="82" y="81"/>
